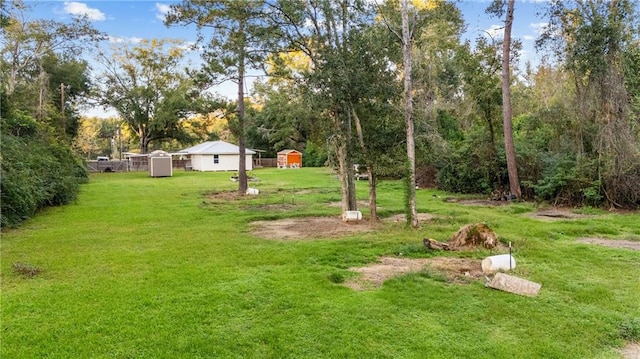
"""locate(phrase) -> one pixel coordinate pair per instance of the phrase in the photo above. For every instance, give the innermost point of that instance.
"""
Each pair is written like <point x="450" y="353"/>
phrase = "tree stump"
<point x="474" y="235"/>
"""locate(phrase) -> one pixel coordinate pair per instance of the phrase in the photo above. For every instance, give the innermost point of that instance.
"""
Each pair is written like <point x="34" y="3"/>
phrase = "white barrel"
<point x="498" y="262"/>
<point x="351" y="216"/>
<point x="253" y="191"/>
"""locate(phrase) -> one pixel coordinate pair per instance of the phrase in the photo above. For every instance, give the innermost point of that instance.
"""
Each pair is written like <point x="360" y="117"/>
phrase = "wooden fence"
<point x="133" y="164"/>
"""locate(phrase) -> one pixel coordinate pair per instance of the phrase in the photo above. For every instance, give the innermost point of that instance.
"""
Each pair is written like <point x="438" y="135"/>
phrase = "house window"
<point x="216" y="159"/>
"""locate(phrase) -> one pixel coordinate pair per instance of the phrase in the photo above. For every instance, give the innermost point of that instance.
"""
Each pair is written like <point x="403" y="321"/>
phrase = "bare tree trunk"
<point x="351" y="181"/>
<point x="412" y="213"/>
<point x="43" y="85"/>
<point x="242" y="165"/>
<point x="512" y="166"/>
<point x="372" y="184"/>
<point x="339" y="144"/>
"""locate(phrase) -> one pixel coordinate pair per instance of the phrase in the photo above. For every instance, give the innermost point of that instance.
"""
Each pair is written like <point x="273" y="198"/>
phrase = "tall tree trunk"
<point x="144" y="144"/>
<point x="512" y="167"/>
<point x="339" y="144"/>
<point x="351" y="181"/>
<point x="369" y="163"/>
<point x="412" y="213"/>
<point x="242" y="165"/>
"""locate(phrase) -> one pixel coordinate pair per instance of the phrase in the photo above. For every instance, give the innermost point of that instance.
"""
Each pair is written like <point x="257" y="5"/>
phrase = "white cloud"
<point x="120" y="40"/>
<point x="538" y="27"/>
<point x="495" y="31"/>
<point x="81" y="9"/>
<point x="162" y="11"/>
<point x="528" y="38"/>
<point x="188" y="46"/>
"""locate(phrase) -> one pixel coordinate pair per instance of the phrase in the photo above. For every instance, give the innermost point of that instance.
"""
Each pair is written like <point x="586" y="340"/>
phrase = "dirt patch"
<point x="612" y="243"/>
<point x="454" y="270"/>
<point x="308" y="228"/>
<point x="271" y="207"/>
<point x="558" y="214"/>
<point x="478" y="202"/>
<point x="359" y="203"/>
<point x="631" y="351"/>
<point x="401" y="218"/>
<point x="225" y="196"/>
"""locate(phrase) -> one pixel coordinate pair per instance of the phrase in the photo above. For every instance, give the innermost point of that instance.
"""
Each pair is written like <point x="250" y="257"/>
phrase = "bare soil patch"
<point x="308" y="228"/>
<point x="402" y="218"/>
<point x="558" y="214"/>
<point x="458" y="270"/>
<point x="359" y="203"/>
<point x="478" y="202"/>
<point x="225" y="196"/>
<point x="631" y="351"/>
<point x="612" y="243"/>
<point x="272" y="207"/>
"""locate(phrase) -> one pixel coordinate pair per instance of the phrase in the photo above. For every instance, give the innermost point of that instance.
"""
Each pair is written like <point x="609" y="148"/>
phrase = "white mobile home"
<point x="217" y="156"/>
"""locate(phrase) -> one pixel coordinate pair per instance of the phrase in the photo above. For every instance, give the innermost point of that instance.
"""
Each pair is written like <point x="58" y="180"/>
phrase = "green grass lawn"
<point x="146" y="267"/>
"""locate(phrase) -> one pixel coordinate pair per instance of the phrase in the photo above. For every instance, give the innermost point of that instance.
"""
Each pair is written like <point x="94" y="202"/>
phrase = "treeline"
<point x="390" y="85"/>
<point x="42" y="80"/>
<point x="576" y="115"/>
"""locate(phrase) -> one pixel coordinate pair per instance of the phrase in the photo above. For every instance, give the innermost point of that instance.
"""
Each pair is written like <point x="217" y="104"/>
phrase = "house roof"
<point x="286" y="152"/>
<point x="215" y="148"/>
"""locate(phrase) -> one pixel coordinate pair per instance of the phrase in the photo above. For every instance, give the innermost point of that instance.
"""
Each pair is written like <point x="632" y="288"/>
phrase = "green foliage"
<point x="145" y="85"/>
<point x="336" y="277"/>
<point x="630" y="329"/>
<point x="465" y="168"/>
<point x="36" y="170"/>
<point x="567" y="181"/>
<point x="314" y="155"/>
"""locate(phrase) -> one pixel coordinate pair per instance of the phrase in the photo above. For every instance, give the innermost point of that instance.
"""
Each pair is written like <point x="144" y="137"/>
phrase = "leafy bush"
<point x="36" y="170"/>
<point x="567" y="181"/>
<point x="466" y="169"/>
<point x="314" y="155"/>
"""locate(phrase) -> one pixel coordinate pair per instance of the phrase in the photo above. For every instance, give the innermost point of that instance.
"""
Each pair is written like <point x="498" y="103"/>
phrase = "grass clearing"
<point x="162" y="268"/>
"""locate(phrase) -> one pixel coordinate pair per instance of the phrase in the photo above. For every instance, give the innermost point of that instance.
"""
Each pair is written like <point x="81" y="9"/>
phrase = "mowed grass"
<point x="146" y="267"/>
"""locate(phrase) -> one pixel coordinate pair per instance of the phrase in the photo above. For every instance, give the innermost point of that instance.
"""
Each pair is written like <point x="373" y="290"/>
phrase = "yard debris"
<point x="498" y="262"/>
<point x="433" y="244"/>
<point x="474" y="235"/>
<point x="467" y="237"/>
<point x="514" y="285"/>
<point x="351" y="216"/>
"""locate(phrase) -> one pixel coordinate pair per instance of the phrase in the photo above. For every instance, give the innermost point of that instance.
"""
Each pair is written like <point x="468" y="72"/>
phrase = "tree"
<point x="414" y="17"/>
<point x="507" y="126"/>
<point x="26" y="43"/>
<point x="37" y="114"/>
<point x="144" y="84"/>
<point x="241" y="38"/>
<point x="347" y="81"/>
<point x="322" y="30"/>
<point x="40" y="59"/>
<point x="592" y="39"/>
<point x="407" y="37"/>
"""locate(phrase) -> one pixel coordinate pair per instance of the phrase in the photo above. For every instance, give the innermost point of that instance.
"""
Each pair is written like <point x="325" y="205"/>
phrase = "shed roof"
<point x="286" y="152"/>
<point x="215" y="148"/>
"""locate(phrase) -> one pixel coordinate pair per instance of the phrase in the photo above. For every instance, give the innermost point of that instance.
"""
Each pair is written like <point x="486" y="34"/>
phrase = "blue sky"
<point x="135" y="20"/>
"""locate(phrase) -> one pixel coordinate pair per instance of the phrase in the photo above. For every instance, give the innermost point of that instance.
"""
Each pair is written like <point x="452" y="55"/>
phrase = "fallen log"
<point x="435" y="245"/>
